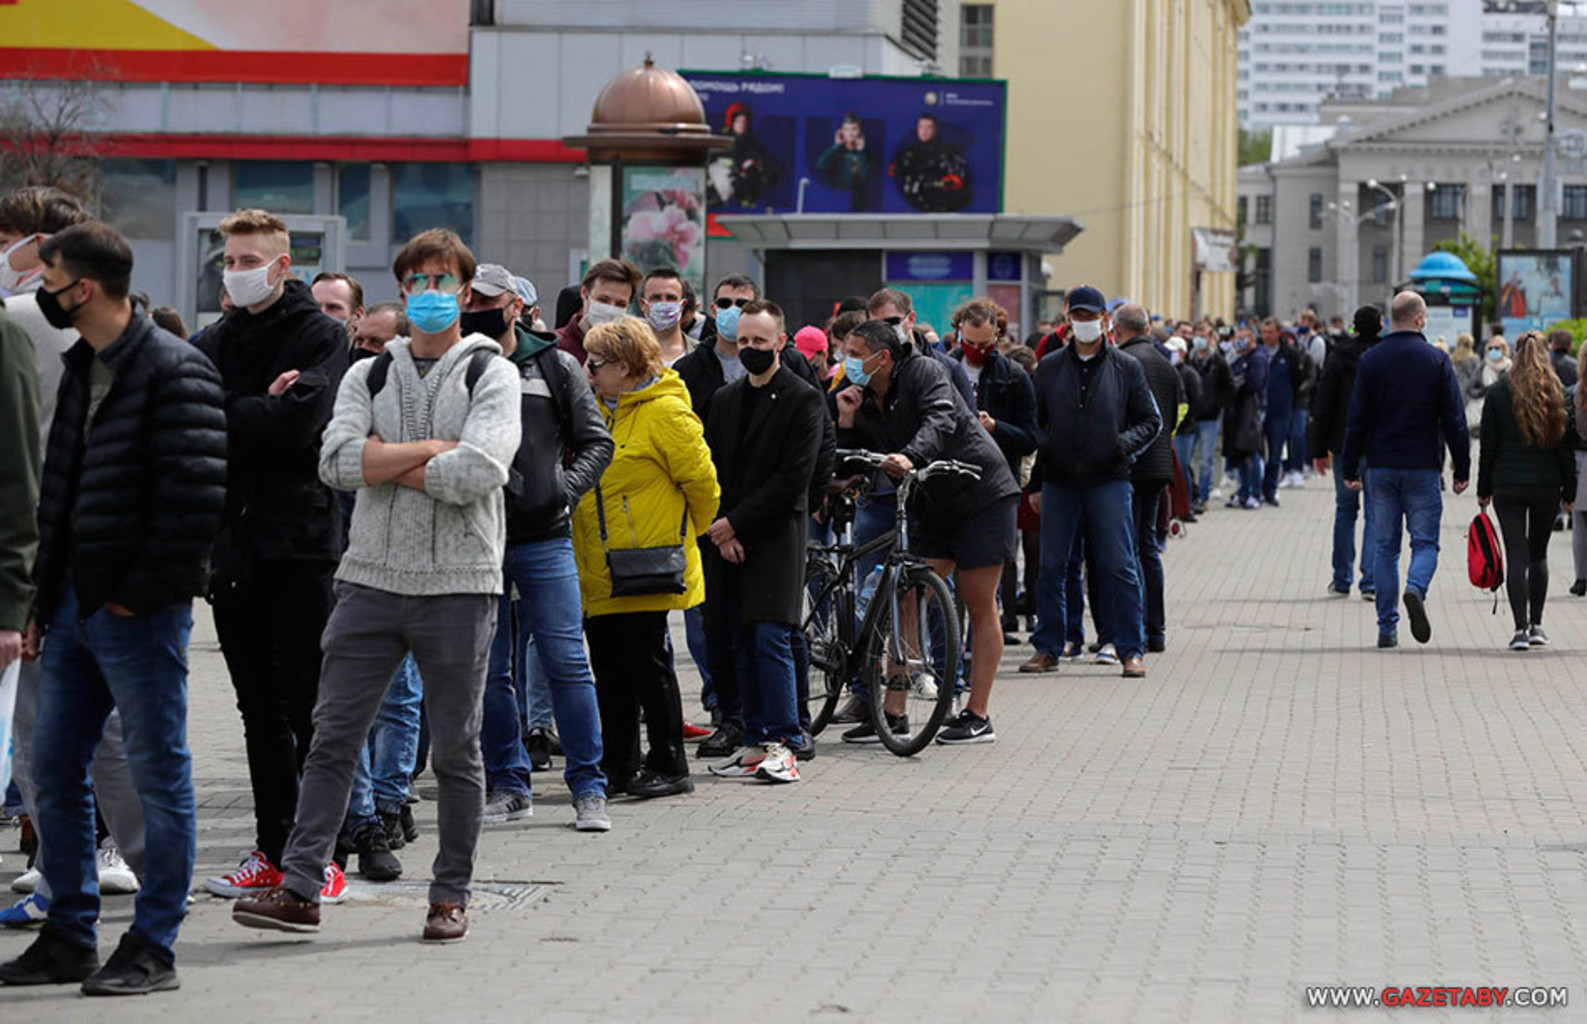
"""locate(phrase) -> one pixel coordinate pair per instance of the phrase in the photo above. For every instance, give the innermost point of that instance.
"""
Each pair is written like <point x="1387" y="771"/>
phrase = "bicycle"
<point x="905" y="650"/>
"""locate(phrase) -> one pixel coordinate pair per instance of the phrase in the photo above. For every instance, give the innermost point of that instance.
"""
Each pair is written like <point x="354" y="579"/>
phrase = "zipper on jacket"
<point x="633" y="532"/>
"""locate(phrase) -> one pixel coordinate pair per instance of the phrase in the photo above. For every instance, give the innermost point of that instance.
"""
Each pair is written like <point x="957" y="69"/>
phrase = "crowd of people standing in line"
<point x="439" y="534"/>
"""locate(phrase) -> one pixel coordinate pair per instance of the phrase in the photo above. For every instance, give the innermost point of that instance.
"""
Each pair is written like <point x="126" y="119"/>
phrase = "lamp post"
<point x="1350" y="290"/>
<point x="1393" y="203"/>
<point x="1548" y="209"/>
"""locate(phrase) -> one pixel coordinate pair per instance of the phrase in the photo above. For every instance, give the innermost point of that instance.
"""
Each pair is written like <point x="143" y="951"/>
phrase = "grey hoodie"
<point x="448" y="538"/>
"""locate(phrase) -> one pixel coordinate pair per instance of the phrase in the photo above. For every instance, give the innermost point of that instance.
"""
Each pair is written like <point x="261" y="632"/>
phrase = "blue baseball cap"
<point x="1116" y="303"/>
<point x="1086" y="299"/>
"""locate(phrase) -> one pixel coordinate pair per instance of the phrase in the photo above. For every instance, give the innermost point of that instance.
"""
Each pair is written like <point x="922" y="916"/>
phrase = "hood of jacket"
<point x="531" y="343"/>
<point x="669" y="384"/>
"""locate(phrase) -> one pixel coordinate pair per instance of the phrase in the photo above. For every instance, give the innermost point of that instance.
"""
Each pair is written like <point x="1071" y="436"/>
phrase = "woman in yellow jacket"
<point x="659" y="491"/>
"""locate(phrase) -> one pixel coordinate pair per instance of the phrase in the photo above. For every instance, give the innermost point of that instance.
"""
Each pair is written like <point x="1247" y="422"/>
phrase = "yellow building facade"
<point x="1121" y="114"/>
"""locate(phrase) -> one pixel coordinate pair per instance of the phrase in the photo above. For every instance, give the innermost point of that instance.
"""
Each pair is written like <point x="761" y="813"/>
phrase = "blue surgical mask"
<point x="727" y="323"/>
<point x="855" y="372"/>
<point x="1495" y="355"/>
<point x="1241" y="344"/>
<point x="432" y="312"/>
<point x="1199" y="344"/>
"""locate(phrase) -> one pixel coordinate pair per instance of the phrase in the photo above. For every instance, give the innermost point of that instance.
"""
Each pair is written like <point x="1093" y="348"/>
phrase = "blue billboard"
<point x="854" y="145"/>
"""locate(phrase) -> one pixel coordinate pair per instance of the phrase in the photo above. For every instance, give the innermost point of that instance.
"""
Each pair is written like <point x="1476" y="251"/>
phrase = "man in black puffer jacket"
<point x="281" y="360"/>
<point x="133" y="492"/>
<point x="1153" y="472"/>
<point x="1330" y="410"/>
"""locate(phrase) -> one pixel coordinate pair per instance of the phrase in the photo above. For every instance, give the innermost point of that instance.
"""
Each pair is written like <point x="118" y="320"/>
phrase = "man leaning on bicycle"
<point x="902" y="403"/>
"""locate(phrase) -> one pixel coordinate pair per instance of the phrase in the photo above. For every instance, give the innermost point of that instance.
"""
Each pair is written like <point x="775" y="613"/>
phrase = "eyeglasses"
<point x="416" y="283"/>
<point x="726" y="303"/>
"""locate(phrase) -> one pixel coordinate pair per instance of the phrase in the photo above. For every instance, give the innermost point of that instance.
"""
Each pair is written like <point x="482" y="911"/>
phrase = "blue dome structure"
<point x="1444" y="273"/>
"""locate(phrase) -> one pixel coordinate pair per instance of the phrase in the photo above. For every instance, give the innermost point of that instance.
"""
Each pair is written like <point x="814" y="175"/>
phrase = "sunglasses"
<point x="416" y="283"/>
<point x="726" y="303"/>
<point x="595" y="364"/>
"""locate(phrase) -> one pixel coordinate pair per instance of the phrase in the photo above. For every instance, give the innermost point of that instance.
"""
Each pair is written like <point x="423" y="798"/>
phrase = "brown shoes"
<point x="1134" y="668"/>
<point x="448" y="922"/>
<point x="280" y="909"/>
<point x="1040" y="662"/>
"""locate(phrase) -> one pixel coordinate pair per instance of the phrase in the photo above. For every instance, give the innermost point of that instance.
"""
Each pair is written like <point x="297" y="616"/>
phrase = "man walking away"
<point x="19" y="486"/>
<point x="132" y="497"/>
<point x="1560" y="341"/>
<point x="1405" y="407"/>
<point x="1153" y="472"/>
<point x="1330" y="410"/>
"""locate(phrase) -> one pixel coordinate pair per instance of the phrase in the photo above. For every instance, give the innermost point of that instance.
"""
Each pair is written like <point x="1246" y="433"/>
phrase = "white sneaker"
<point x="779" y="765"/>
<point x="1299" y="480"/>
<point x="1217" y="492"/>
<point x="1108" y="655"/>
<point x="115" y="877"/>
<point x="27" y="881"/>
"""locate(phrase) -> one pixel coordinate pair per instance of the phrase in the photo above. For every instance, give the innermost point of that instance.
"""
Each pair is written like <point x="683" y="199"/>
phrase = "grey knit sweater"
<point x="448" y="538"/>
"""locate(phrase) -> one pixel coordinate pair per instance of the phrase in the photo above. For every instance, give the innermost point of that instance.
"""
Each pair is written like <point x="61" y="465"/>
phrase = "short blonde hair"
<point x="258" y="222"/>
<point x="629" y="341"/>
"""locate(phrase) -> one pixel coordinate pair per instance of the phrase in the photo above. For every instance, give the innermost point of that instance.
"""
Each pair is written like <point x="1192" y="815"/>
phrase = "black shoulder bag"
<point x="638" y="572"/>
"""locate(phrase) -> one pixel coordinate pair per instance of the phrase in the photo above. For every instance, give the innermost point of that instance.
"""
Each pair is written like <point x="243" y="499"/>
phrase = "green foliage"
<point x="1479" y="259"/>
<point x="1577" y="329"/>
<point x="1256" y="147"/>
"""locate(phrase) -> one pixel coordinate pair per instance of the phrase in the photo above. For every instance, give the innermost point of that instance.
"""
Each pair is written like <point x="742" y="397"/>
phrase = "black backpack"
<point x="382" y="366"/>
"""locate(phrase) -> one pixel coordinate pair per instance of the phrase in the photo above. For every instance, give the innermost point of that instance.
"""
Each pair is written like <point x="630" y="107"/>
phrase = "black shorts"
<point x="978" y="541"/>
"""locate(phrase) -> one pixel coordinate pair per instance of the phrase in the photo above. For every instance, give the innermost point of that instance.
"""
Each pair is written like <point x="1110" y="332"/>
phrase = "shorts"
<point x="980" y="540"/>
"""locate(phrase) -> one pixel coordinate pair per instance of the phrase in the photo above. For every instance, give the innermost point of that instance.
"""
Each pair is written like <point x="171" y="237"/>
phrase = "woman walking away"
<point x="1527" y="468"/>
<point x="1576" y="399"/>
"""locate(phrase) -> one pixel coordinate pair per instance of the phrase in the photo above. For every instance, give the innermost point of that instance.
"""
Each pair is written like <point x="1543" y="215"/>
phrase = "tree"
<point x="46" y="135"/>
<point x="1256" y="147"/>
<point x="1480" y="260"/>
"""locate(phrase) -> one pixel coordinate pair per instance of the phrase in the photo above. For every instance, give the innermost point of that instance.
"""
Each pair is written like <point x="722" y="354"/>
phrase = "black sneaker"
<point x="1579" y="588"/>
<point x="1388" y="640"/>
<point x="648" y="784"/>
<point x="136" y="968"/>
<point x="537" y="742"/>
<point x="969" y="727"/>
<point x="1157" y="644"/>
<point x="729" y="736"/>
<point x="1421" y="629"/>
<point x="376" y="862"/>
<point x="50" y="960"/>
<point x="1520" y="642"/>
<point x="865" y="732"/>
<point x="1535" y="637"/>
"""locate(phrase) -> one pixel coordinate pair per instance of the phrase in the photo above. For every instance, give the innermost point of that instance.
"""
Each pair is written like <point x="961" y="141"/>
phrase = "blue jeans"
<point x="1347" y="504"/>
<point x="1107" y="507"/>
<point x="1414" y="496"/>
<point x="1184" y="446"/>
<point x="765" y="658"/>
<point x="1207" y="450"/>
<point x="1250" y="472"/>
<point x="873" y="517"/>
<point x="694" y="635"/>
<point x="1275" y="428"/>
<point x="137" y="665"/>
<point x="1081" y="565"/>
<point x="384" y="770"/>
<point x="548" y="590"/>
<point x="1295" y="458"/>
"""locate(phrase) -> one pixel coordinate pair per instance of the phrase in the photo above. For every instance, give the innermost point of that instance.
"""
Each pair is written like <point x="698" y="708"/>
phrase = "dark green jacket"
<point x="19" y="472"/>
<point x="1509" y="462"/>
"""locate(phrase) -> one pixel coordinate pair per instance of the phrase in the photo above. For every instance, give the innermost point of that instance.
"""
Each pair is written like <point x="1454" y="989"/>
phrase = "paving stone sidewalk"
<point x="1279" y="805"/>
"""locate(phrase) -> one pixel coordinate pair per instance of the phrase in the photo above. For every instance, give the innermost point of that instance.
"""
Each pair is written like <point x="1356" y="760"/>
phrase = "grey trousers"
<point x="114" y="793"/>
<point x="369" y="633"/>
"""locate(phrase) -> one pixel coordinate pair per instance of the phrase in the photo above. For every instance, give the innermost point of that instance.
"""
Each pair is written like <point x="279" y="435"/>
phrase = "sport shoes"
<point x="969" y="727"/>
<point x="446" y="922"/>
<point x="924" y="684"/>
<point x="500" y="807"/>
<point x="1040" y="662"/>
<point x="779" y="765"/>
<point x="1579" y="588"/>
<point x="852" y="710"/>
<point x="1335" y="590"/>
<point x="136" y="968"/>
<point x="335" y="888"/>
<point x="255" y="875"/>
<point x="589" y="814"/>
<point x="1073" y="651"/>
<point x="692" y="732"/>
<point x="1107" y="655"/>
<point x="50" y="960"/>
<point x="280" y="910"/>
<point x="30" y="911"/>
<point x="1536" y="637"/>
<point x="1521" y="641"/>
<point x="865" y="732"/>
<point x="376" y="862"/>
<point x="1416" y="611"/>
<point x="736" y="768"/>
<point x="115" y="877"/>
<point x="27" y="881"/>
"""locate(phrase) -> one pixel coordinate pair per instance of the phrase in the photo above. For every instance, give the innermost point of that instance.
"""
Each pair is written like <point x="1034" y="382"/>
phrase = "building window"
<point x="1575" y="202"/>
<point x="1262" y="301"/>
<point x="1264" y="209"/>
<point x="1314" y="215"/>
<point x="139" y="197"/>
<point x="352" y="199"/>
<point x="1380" y="264"/>
<point x="1314" y="265"/>
<point x="1446" y="201"/>
<point x="975" y="41"/>
<point x="1240" y="210"/>
<point x="279" y="186"/>
<point x="431" y="196"/>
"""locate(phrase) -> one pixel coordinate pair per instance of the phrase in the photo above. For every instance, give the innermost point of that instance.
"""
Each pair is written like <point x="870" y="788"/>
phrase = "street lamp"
<point x="1394" y="231"/>
<point x="1349" y="292"/>
<point x="1548" y="209"/>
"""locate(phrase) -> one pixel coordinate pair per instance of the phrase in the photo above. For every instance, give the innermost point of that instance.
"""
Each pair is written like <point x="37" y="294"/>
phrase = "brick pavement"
<point x="1278" y="805"/>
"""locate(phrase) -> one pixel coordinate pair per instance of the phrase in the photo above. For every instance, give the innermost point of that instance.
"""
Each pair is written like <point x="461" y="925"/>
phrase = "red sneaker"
<point x="335" y="884"/>
<point x="692" y="732"/>
<point x="255" y="875"/>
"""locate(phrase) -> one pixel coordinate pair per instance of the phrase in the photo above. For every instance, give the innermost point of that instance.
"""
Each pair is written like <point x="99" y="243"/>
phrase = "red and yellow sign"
<point x="340" y="42"/>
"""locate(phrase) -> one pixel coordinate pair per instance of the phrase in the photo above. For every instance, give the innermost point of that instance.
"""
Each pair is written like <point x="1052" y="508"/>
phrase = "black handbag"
<point x="639" y="572"/>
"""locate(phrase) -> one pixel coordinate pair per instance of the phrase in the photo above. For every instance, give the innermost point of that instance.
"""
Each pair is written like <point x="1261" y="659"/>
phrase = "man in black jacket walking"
<point x="1153" y="472"/>
<point x="1329" y="412"/>
<point x="1097" y="416"/>
<point x="132" y="496"/>
<point x="281" y="360"/>
<point x="765" y="437"/>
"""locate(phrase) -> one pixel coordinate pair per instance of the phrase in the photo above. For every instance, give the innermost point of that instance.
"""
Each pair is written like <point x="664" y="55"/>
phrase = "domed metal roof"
<point x="648" y="113"/>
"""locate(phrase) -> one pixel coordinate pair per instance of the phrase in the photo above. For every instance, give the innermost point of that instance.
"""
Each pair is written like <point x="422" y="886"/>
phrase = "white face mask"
<point x="249" y="287"/>
<point x="11" y="277"/>
<point x="602" y="313"/>
<point x="1086" y="331"/>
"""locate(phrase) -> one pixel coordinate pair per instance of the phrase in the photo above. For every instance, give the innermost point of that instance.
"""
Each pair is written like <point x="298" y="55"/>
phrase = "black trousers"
<point x="1526" y="518"/>
<point x="633" y="669"/>
<point x="1149" y="552"/>
<point x="269" y="629"/>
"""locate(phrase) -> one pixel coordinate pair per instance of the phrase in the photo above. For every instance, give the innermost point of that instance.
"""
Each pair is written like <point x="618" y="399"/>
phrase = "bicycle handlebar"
<point x="937" y="468"/>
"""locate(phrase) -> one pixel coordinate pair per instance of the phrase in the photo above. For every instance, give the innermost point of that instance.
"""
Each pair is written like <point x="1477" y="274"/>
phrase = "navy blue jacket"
<point x="1405" y="407"/>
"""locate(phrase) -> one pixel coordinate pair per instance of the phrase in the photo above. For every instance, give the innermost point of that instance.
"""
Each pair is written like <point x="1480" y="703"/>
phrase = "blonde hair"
<point x="258" y="222"/>
<point x="1465" y="345"/>
<point x="629" y="341"/>
<point x="1535" y="392"/>
<point x="1498" y="339"/>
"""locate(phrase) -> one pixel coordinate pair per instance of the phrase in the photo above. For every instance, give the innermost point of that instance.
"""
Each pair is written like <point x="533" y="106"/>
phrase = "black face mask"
<point x="361" y="353"/>
<point x="756" y="360"/>
<point x="56" y="315"/>
<point x="492" y="323"/>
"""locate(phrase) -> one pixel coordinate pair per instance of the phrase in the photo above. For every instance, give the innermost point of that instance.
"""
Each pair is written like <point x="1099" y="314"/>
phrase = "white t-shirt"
<point x="973" y="372"/>
<point x="49" y="344"/>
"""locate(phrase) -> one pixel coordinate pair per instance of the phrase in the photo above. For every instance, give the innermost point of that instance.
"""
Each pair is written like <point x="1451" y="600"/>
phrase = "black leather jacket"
<point x="1091" y="441"/>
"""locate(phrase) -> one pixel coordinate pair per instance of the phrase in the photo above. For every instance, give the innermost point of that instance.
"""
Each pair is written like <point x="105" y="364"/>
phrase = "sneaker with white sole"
<point x="589" y="814"/>
<point x="335" y="888"/>
<point x="779" y="765"/>
<point x="924" y="684"/>
<point x="115" y="877"/>
<point x="1073" y="651"/>
<point x="1107" y="655"/>
<point x="737" y="768"/>
<point x="30" y="911"/>
<point x="1535" y="637"/>
<point x="968" y="728"/>
<point x="255" y="875"/>
<point x="27" y="881"/>
<point x="500" y="807"/>
<point x="1520" y="642"/>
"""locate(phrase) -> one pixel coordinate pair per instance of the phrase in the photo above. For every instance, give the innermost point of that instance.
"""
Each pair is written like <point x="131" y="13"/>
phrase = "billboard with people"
<point x="1535" y="289"/>
<point x="854" y="145"/>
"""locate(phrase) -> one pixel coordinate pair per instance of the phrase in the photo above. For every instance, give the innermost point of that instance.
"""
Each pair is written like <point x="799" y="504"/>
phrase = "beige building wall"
<point x="1122" y="115"/>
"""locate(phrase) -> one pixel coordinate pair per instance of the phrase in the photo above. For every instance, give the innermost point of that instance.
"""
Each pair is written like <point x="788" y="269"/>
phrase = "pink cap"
<point x="810" y="340"/>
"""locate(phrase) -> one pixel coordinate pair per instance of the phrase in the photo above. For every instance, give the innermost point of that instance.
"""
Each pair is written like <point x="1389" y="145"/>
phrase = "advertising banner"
<point x="1535" y="289"/>
<point x="664" y="220"/>
<point x="814" y="144"/>
<point x="1215" y="250"/>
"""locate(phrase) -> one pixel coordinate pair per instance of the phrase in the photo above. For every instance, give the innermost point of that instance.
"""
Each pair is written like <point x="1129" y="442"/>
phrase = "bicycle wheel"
<point x="911" y="697"/>
<point x="823" y="600"/>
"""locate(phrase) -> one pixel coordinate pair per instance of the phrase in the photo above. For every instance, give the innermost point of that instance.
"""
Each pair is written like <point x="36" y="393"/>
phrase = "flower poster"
<point x="664" y="220"/>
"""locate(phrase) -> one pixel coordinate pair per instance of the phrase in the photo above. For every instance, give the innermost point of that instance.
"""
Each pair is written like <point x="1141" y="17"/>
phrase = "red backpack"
<point x="1484" y="557"/>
